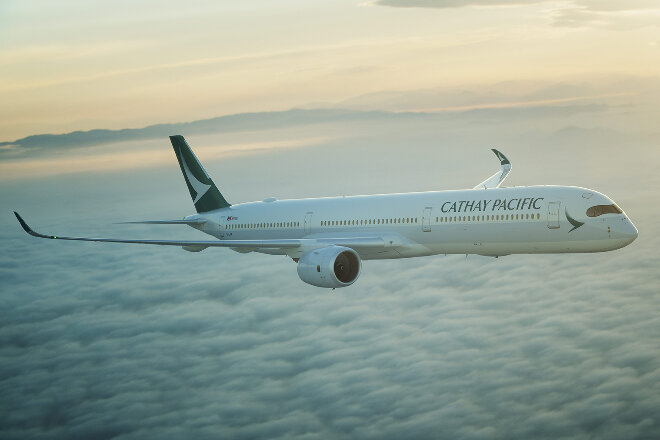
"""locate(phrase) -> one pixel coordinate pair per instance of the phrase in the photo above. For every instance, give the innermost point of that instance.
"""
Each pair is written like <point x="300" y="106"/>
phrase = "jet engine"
<point x="332" y="266"/>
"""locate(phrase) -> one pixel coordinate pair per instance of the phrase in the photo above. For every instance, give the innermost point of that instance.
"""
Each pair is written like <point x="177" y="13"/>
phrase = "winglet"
<point x="501" y="157"/>
<point x="29" y="230"/>
<point x="496" y="179"/>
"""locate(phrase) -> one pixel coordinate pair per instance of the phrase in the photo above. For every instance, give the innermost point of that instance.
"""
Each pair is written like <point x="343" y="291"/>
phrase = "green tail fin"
<point x="203" y="191"/>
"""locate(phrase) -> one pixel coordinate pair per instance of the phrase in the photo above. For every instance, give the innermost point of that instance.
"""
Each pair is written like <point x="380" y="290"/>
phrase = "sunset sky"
<point x="76" y="65"/>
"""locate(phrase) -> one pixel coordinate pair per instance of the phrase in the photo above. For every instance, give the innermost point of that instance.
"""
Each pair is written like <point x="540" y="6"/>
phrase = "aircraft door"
<point x="308" y="222"/>
<point x="553" y="215"/>
<point x="426" y="220"/>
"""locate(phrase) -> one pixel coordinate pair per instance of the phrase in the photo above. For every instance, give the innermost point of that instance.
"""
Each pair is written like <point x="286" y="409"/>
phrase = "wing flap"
<point x="197" y="222"/>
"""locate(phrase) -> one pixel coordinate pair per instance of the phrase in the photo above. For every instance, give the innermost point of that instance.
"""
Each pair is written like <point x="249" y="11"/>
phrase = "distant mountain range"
<point x="237" y="122"/>
<point x="286" y="118"/>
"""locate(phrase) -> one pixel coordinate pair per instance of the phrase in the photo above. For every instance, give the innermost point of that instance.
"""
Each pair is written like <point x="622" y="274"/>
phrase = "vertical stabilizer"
<point x="203" y="191"/>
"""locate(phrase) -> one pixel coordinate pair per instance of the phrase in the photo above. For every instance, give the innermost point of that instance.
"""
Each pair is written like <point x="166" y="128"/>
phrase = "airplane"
<point x="329" y="237"/>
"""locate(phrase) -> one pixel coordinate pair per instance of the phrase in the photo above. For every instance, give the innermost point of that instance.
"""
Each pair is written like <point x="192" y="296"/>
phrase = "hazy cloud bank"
<point x="531" y="97"/>
<point x="130" y="342"/>
<point x="238" y="122"/>
<point x="610" y="14"/>
<point x="452" y="3"/>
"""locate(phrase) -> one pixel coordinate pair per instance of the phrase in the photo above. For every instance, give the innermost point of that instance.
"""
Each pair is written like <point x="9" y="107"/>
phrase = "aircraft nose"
<point x="628" y="230"/>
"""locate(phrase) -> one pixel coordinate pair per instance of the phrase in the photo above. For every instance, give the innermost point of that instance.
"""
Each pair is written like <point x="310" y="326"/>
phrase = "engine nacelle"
<point x="332" y="266"/>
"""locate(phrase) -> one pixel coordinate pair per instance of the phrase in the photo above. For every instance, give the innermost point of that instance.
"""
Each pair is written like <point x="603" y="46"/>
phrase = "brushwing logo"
<point x="576" y="224"/>
<point x="199" y="187"/>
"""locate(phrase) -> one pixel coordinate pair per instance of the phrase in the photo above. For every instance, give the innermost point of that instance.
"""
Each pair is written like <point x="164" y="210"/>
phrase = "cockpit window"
<point x="597" y="210"/>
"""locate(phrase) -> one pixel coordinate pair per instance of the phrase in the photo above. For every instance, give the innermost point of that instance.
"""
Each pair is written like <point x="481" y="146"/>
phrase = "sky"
<point x="72" y="65"/>
<point x="297" y="99"/>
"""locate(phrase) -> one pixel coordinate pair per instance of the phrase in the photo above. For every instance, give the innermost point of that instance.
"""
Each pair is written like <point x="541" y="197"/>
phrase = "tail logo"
<point x="199" y="187"/>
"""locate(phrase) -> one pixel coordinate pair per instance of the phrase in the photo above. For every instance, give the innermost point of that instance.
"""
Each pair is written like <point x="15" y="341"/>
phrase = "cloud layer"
<point x="609" y="14"/>
<point x="120" y="341"/>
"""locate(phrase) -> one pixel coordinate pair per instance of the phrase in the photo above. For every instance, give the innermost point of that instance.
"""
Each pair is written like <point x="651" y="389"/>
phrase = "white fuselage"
<point x="493" y="222"/>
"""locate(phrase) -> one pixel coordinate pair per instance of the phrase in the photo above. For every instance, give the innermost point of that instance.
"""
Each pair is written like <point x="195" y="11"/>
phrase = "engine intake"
<point x="332" y="266"/>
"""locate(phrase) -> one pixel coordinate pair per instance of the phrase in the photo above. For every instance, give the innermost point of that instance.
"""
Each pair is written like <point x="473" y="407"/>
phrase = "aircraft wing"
<point x="361" y="242"/>
<point x="496" y="179"/>
<point x="195" y="222"/>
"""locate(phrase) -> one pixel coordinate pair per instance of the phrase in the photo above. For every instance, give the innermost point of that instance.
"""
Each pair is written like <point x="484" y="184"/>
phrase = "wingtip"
<point x="502" y="158"/>
<point x="24" y="225"/>
<point x="28" y="229"/>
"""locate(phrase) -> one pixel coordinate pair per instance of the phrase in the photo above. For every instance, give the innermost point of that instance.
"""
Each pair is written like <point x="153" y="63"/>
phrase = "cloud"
<point x="584" y="17"/>
<point x="459" y="351"/>
<point x="610" y="14"/>
<point x="587" y="5"/>
<point x="613" y="5"/>
<point x="440" y="4"/>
